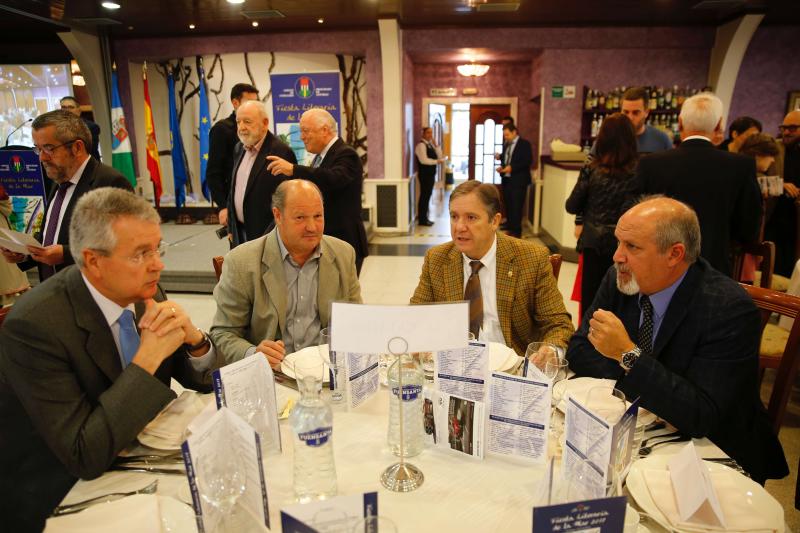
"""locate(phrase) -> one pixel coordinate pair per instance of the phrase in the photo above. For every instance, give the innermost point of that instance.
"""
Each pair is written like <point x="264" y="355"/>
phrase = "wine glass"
<point x="538" y="354"/>
<point x="221" y="481"/>
<point x="334" y="363"/>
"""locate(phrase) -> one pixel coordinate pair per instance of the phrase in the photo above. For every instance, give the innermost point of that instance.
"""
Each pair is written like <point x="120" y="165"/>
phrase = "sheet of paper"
<point x="341" y="513"/>
<point x="459" y="424"/>
<point x="463" y="371"/>
<point x="247" y="387"/>
<point x="519" y="416"/>
<point x="16" y="241"/>
<point x="363" y="380"/>
<point x="588" y="439"/>
<point x="694" y="492"/>
<point x="399" y="328"/>
<point x="223" y="463"/>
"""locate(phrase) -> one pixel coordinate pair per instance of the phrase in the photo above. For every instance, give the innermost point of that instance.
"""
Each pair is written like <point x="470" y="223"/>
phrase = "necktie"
<point x="646" y="329"/>
<point x="472" y="293"/>
<point x="128" y="336"/>
<point x="52" y="224"/>
<point x="317" y="160"/>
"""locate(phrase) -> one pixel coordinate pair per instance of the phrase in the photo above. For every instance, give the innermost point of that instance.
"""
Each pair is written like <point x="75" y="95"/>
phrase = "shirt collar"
<point x="690" y="137"/>
<point x="324" y="151"/>
<point x="285" y="253"/>
<point x="488" y="258"/>
<point x="111" y="310"/>
<point x="78" y="173"/>
<point x="257" y="147"/>
<point x="661" y="299"/>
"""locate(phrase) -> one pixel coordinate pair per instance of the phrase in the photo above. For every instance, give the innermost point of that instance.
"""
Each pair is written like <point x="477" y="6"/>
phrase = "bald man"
<point x="781" y="227"/>
<point x="680" y="336"/>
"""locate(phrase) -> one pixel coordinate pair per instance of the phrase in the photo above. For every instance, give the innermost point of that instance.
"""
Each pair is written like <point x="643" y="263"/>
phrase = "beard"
<point x="629" y="287"/>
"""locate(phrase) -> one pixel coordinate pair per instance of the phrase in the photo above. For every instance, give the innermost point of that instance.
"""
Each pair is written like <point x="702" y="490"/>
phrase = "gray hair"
<point x="321" y="117"/>
<point x="92" y="221"/>
<point x="258" y="104"/>
<point x="68" y="127"/>
<point x="677" y="226"/>
<point x="702" y="112"/>
<point x="280" y="194"/>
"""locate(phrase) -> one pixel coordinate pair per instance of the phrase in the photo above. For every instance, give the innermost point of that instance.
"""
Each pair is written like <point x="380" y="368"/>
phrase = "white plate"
<point x="759" y="500"/>
<point x="313" y="354"/>
<point x="580" y="386"/>
<point x="176" y="516"/>
<point x="501" y="357"/>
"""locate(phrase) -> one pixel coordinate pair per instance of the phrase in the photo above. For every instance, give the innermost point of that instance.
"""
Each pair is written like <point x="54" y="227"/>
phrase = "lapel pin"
<point x="510" y="274"/>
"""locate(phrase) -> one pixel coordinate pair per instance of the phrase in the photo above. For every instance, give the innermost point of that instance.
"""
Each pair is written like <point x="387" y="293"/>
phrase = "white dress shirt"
<point x="67" y="198"/>
<point x="421" y="151"/>
<point x="490" y="329"/>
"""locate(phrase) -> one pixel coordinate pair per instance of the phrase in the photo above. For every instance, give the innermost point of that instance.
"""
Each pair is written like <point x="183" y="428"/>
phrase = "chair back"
<point x="769" y="301"/>
<point x="216" y="262"/>
<point x="764" y="250"/>
<point x="555" y="263"/>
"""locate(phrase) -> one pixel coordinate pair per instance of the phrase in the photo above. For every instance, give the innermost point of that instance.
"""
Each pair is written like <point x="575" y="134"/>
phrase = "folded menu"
<point x="167" y="430"/>
<point x="134" y="514"/>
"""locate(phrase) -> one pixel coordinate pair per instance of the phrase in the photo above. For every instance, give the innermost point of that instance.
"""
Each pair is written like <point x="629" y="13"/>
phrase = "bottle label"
<point x="410" y="392"/>
<point x="316" y="437"/>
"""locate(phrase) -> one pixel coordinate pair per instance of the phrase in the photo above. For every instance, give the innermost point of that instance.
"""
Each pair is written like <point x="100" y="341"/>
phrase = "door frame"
<point x="450" y="100"/>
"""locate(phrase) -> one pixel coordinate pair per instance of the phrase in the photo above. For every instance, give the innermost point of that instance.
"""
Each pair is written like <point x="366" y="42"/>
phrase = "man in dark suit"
<point x="336" y="169"/>
<point x="222" y="140"/>
<point x="680" y="336"/>
<point x="79" y="380"/>
<point x="516" y="161"/>
<point x="720" y="186"/>
<point x="62" y="140"/>
<point x="68" y="103"/>
<point x="252" y="185"/>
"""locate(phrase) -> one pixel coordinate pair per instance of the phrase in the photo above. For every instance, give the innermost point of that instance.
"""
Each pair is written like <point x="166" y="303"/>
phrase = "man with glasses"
<point x="86" y="358"/>
<point x="781" y="227"/>
<point x="62" y="142"/>
<point x="68" y="103"/>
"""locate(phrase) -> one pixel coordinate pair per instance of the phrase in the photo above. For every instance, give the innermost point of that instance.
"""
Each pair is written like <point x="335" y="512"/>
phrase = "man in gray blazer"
<point x="275" y="292"/>
<point x="78" y="380"/>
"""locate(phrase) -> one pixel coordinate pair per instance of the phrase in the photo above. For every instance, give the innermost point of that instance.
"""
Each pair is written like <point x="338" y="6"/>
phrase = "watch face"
<point x="629" y="358"/>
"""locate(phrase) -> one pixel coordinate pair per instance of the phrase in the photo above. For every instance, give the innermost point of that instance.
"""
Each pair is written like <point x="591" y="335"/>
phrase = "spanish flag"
<point x="153" y="165"/>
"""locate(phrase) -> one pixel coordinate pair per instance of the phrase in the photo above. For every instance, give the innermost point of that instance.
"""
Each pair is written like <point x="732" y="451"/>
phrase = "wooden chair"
<point x="3" y="312"/>
<point x="764" y="250"/>
<point x="555" y="262"/>
<point x="216" y="262"/>
<point x="786" y="361"/>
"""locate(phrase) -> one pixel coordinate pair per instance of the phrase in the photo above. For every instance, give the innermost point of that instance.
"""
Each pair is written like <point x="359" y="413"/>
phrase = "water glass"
<point x="336" y="366"/>
<point x="374" y="524"/>
<point x="539" y="354"/>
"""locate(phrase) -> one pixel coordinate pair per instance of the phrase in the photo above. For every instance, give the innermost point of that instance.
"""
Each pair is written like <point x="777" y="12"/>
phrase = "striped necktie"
<point x="473" y="294"/>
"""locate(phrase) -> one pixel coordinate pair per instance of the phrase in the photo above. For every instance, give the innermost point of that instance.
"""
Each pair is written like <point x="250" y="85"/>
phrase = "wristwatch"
<point x="202" y="344"/>
<point x="629" y="358"/>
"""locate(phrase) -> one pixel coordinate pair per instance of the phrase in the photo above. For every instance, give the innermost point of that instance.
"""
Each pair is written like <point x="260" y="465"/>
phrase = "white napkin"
<point x="168" y="427"/>
<point x="134" y="514"/>
<point x="740" y="515"/>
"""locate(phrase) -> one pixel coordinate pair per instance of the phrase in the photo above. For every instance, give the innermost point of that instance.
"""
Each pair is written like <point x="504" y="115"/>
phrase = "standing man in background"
<point x="781" y="228"/>
<point x="222" y="141"/>
<point x="516" y="175"/>
<point x="428" y="156"/>
<point x="69" y="103"/>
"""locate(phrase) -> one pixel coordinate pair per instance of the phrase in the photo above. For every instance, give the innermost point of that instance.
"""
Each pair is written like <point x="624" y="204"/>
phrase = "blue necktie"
<point x="128" y="336"/>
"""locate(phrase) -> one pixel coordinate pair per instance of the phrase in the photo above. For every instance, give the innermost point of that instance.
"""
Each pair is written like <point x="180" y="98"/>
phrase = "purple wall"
<point x="360" y="43"/>
<point x="770" y="70"/>
<point x="409" y="139"/>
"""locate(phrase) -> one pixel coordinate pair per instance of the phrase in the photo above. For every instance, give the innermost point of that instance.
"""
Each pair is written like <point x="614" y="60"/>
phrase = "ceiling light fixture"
<point x="320" y="20"/>
<point x="473" y="69"/>
<point x="111" y="5"/>
<point x="255" y="24"/>
<point x="236" y="1"/>
<point x="191" y="26"/>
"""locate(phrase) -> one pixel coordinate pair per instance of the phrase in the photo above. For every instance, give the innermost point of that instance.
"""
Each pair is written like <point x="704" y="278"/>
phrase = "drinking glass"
<point x="221" y="481"/>
<point x="374" y="524"/>
<point x="330" y="520"/>
<point x="539" y="354"/>
<point x="335" y="365"/>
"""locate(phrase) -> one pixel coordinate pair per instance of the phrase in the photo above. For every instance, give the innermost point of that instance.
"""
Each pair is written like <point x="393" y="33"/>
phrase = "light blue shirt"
<point x="660" y="301"/>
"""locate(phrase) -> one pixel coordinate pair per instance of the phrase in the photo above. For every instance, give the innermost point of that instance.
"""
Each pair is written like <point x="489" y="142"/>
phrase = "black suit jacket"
<point x="261" y="184"/>
<point x="222" y="141"/>
<point x="340" y="178"/>
<point x="521" y="161"/>
<point x="94" y="129"/>
<point x="702" y="376"/>
<point x="720" y="186"/>
<point x="68" y="407"/>
<point x="95" y="176"/>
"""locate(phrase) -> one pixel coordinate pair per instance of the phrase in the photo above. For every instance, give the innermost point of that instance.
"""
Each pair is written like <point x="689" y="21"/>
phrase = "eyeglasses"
<point x="143" y="256"/>
<point x="49" y="148"/>
<point x="791" y="128"/>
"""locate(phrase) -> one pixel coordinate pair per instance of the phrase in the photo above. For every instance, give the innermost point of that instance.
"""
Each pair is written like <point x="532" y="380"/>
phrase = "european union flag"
<point x="205" y="129"/>
<point x="178" y="163"/>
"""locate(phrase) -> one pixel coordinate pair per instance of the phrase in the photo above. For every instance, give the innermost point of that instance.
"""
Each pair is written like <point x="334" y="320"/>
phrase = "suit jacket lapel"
<point x="259" y="164"/>
<point x="274" y="277"/>
<point x="678" y="308"/>
<point x="328" y="283"/>
<point x="83" y="186"/>
<point x="454" y="277"/>
<point x="330" y="153"/>
<point x="505" y="279"/>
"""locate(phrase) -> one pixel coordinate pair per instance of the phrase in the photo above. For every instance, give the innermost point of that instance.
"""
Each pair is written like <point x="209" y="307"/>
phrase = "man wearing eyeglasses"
<point x="86" y="358"/>
<point x="781" y="227"/>
<point x="62" y="142"/>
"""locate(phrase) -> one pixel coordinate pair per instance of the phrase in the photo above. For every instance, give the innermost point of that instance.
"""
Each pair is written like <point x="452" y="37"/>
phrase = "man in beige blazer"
<point x="275" y="292"/>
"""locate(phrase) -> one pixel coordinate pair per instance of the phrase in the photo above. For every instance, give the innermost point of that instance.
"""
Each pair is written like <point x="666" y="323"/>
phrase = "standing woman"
<point x="606" y="187"/>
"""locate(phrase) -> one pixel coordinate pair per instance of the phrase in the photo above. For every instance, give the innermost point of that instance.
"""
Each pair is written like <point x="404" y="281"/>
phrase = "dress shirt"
<point x="509" y="153"/>
<point x="421" y="151"/>
<point x="690" y="137"/>
<point x="242" y="177"/>
<point x="112" y="311"/>
<point x="490" y="330"/>
<point x="660" y="301"/>
<point x="324" y="151"/>
<point x="302" y="311"/>
<point x="67" y="197"/>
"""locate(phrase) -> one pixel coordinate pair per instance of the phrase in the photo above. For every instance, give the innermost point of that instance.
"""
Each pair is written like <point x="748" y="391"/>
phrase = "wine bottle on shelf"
<point x="601" y="101"/>
<point x="667" y="98"/>
<point x="587" y="105"/>
<point x="615" y="103"/>
<point x="653" y="99"/>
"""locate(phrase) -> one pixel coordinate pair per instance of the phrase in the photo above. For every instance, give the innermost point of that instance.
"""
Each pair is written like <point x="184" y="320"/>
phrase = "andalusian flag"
<point x="153" y="165"/>
<point x="205" y="130"/>
<point x="121" y="154"/>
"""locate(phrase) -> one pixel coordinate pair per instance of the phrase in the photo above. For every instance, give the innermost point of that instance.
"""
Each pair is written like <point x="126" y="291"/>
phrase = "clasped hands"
<point x="164" y="326"/>
<point x="608" y="336"/>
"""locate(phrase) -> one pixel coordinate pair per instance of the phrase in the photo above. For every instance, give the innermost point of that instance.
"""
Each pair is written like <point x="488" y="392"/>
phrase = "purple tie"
<point x="52" y="224"/>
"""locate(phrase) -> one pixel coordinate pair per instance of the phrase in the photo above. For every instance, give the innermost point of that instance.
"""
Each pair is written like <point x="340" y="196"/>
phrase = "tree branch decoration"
<point x="270" y="68"/>
<point x="216" y="92"/>
<point x="355" y="112"/>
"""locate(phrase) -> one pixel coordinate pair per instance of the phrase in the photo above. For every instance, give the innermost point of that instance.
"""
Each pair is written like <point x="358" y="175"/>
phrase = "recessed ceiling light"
<point x="320" y="20"/>
<point x="110" y="5"/>
<point x="236" y="1"/>
<point x="191" y="26"/>
<point x="130" y="27"/>
<point x="255" y="24"/>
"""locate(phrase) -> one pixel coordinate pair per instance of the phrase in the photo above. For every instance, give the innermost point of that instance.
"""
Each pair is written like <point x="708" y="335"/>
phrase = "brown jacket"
<point x="529" y="304"/>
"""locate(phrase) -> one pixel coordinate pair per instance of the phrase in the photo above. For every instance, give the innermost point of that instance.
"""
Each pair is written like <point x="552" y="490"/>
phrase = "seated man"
<point x="275" y="293"/>
<point x="694" y="361"/>
<point x="77" y="382"/>
<point x="514" y="300"/>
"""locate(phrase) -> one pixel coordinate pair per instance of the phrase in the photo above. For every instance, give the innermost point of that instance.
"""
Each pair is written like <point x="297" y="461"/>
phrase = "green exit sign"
<point x="557" y="91"/>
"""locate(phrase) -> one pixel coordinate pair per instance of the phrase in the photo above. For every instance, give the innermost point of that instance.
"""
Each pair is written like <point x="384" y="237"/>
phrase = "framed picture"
<point x="793" y="103"/>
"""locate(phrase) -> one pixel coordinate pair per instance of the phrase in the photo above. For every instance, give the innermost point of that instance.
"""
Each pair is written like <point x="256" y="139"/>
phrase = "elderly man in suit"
<point x="516" y="161"/>
<point x="336" y="169"/>
<point x="680" y="336"/>
<point x="79" y="381"/>
<point x="720" y="186"/>
<point x="513" y="295"/>
<point x="252" y="184"/>
<point x="275" y="292"/>
<point x="63" y="142"/>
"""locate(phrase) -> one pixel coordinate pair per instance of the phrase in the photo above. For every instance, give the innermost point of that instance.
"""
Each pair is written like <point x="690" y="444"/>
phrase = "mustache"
<point x="624" y="269"/>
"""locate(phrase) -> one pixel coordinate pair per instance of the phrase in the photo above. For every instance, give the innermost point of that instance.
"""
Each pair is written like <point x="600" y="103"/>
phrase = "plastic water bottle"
<point x="312" y="424"/>
<point x="413" y="400"/>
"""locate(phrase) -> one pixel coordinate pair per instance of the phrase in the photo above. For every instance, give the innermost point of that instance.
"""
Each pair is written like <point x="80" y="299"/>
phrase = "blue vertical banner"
<point x="204" y="129"/>
<point x="21" y="178"/>
<point x="293" y="94"/>
<point x="178" y="164"/>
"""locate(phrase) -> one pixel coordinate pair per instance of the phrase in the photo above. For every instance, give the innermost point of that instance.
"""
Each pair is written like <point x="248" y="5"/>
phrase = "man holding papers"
<point x="275" y="292"/>
<point x="509" y="282"/>
<point x="680" y="336"/>
<point x="79" y="380"/>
